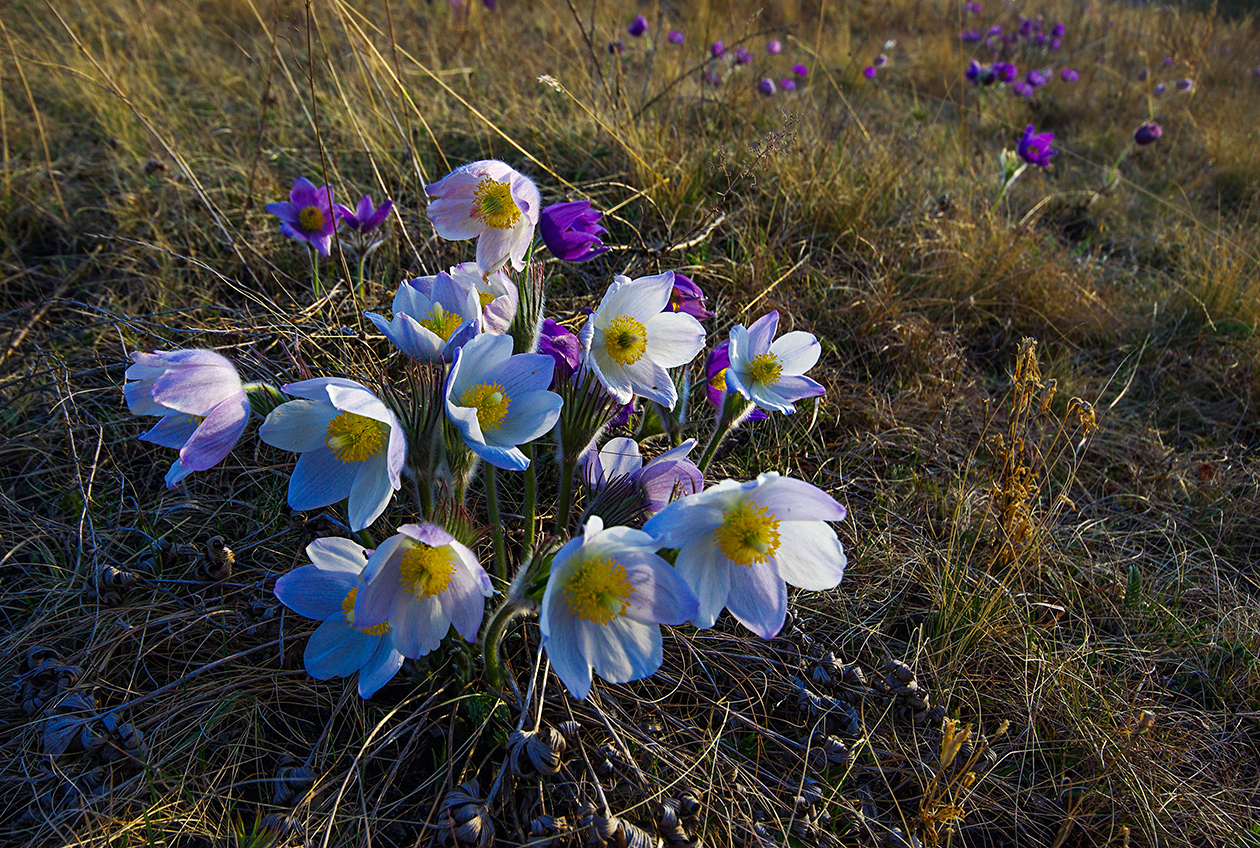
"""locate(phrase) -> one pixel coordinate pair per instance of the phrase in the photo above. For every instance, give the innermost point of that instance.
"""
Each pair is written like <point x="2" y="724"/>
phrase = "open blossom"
<point x="715" y="372"/>
<point x="499" y="401"/>
<point x="307" y="215"/>
<point x="1034" y="147"/>
<point x="365" y="217"/>
<point x="630" y="340"/>
<point x="326" y="591"/>
<point x="491" y="202"/>
<point x="571" y="231"/>
<point x="496" y="294"/>
<point x="421" y="582"/>
<point x="766" y="86"/>
<point x="433" y="317"/>
<point x="351" y="445"/>
<point x="606" y="597"/>
<point x="739" y="543"/>
<point x="770" y="372"/>
<point x="200" y="398"/>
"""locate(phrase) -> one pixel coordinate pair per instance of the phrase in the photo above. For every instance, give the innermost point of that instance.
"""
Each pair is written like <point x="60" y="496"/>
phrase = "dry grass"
<point x="1036" y="571"/>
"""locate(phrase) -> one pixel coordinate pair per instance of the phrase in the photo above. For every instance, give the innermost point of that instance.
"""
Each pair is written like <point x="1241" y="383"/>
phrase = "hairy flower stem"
<point x="531" y="502"/>
<point x="495" y="631"/>
<point x="315" y="271"/>
<point x="734" y="410"/>
<point x="492" y="505"/>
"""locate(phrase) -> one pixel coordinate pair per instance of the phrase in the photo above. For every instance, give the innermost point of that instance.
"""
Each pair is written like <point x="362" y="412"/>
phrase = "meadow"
<point x="1040" y="413"/>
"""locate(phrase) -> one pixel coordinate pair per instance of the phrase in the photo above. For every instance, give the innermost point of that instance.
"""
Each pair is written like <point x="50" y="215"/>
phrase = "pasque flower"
<point x="421" y="582"/>
<point x="662" y="479"/>
<point x="563" y="346"/>
<point x="491" y="202"/>
<point x="572" y="231"/>
<point x="630" y="341"/>
<point x="433" y="317"/>
<point x="496" y="294"/>
<point x="365" y="217"/>
<point x="1034" y="147"/>
<point x="1148" y="133"/>
<point x="766" y="86"/>
<point x="307" y="215"/>
<point x="606" y="597"/>
<point x="739" y="543"/>
<point x="200" y="398"/>
<point x="499" y="401"/>
<point x="688" y="297"/>
<point x="715" y="372"/>
<point x="326" y="590"/>
<point x="770" y="372"/>
<point x="638" y="26"/>
<point x="675" y="37"/>
<point x="1069" y="75"/>
<point x="351" y="447"/>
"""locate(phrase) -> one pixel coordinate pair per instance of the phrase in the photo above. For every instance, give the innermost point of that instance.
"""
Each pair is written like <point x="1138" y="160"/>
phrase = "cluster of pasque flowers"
<point x="480" y="378"/>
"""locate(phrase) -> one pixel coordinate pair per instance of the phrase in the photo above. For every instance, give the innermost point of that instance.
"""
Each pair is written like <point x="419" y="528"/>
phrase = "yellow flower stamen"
<point x="765" y="369"/>
<point x="598" y="591"/>
<point x="426" y="571"/>
<point x="486" y="298"/>
<point x="347" y="609"/>
<point x="490" y="402"/>
<point x="441" y="323"/>
<point x="354" y="437"/>
<point x="748" y="533"/>
<point x="718" y="381"/>
<point x="311" y="219"/>
<point x="625" y="340"/>
<point x="493" y="205"/>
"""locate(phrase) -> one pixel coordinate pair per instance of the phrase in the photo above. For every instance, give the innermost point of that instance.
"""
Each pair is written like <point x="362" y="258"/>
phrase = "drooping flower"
<point x="572" y="231"/>
<point x="638" y="26"/>
<point x="1057" y="31"/>
<point x="326" y="590"/>
<point x="351" y="447"/>
<point x="1034" y="147"/>
<point x="742" y="56"/>
<point x="1022" y="89"/>
<point x="1159" y="89"/>
<point x="774" y="47"/>
<point x="499" y="401"/>
<point x="675" y="37"/>
<point x="662" y="479"/>
<point x="1069" y="75"/>
<point x="365" y="217"/>
<point x="496" y="294"/>
<point x="880" y="61"/>
<point x="433" y="317"/>
<point x="1148" y="133"/>
<point x="606" y="597"/>
<point x="491" y="202"/>
<point x="307" y="215"/>
<point x="421" y="582"/>
<point x="715" y="372"/>
<point x="687" y="297"/>
<point x="976" y="73"/>
<point x="630" y="340"/>
<point x="739" y="543"/>
<point x="766" y="86"/>
<point x="201" y="401"/>
<point x="563" y="346"/>
<point x="770" y="372"/>
<point x="716" y="49"/>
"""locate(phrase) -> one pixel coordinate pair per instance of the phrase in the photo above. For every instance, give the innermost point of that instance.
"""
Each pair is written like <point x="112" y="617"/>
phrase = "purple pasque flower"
<point x="1159" y="89"/>
<point x="617" y="47"/>
<point x="880" y="61"/>
<point x="433" y="317"/>
<point x="1069" y="75"/>
<point x="618" y="466"/>
<point x="742" y="56"/>
<point x="326" y="591"/>
<point x="561" y="345"/>
<point x="1035" y="78"/>
<point x="976" y="73"/>
<point x="1057" y="31"/>
<point x="1185" y="85"/>
<point x="711" y="78"/>
<point x="489" y="201"/>
<point x="787" y="84"/>
<point x="572" y="231"/>
<point x="716" y="49"/>
<point x="421" y="582"/>
<point x="715" y="376"/>
<point x="766" y="86"/>
<point x="638" y="26"/>
<point x="774" y="47"/>
<point x="200" y="398"/>
<point x="1022" y="89"/>
<point x="687" y="297"/>
<point x="970" y="36"/>
<point x="675" y="37"/>
<point x="1005" y="71"/>
<point x="365" y="217"/>
<point x="606" y="597"/>
<point x="800" y="70"/>
<point x="770" y="372"/>
<point x="740" y="543"/>
<point x="1148" y="133"/>
<point x="350" y="444"/>
<point x="869" y="72"/>
<point x="974" y="8"/>
<point x="307" y="215"/>
<point x="1034" y="147"/>
<point x="1056" y="43"/>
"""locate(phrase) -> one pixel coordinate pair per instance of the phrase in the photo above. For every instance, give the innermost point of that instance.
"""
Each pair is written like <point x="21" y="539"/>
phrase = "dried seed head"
<point x="899" y="671"/>
<point x="829" y="751"/>
<point x="37" y="656"/>
<point x="570" y="730"/>
<point x="117" y="578"/>
<point x="896" y="839"/>
<point x="688" y="805"/>
<point x="535" y="752"/>
<point x="291" y="784"/>
<point x="61" y="734"/>
<point x="465" y="819"/>
<point x="218" y="561"/>
<point x="544" y="829"/>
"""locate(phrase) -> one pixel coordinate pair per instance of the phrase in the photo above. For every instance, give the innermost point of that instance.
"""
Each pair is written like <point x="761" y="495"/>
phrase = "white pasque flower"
<point x="433" y="317"/>
<point x="491" y="202"/>
<point x="739" y="542"/>
<point x="496" y="293"/>
<point x="606" y="597"/>
<point x="769" y="371"/>
<point x="630" y="341"/>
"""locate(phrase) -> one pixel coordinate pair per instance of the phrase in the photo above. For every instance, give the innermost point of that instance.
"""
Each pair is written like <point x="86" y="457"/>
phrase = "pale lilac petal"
<point x="317" y="388"/>
<point x="530" y="416"/>
<point x="674" y="338"/>
<point x="738" y="354"/>
<point x="797" y="352"/>
<point x="380" y="668"/>
<point x="419" y="625"/>
<point x="172" y="430"/>
<point x="507" y="457"/>
<point x="382" y="557"/>
<point x="660" y="594"/>
<point x="790" y="499"/>
<point x="758" y="598"/>
<point x="765" y="397"/>
<point x="139" y="397"/>
<point x="810" y="556"/>
<point x="524" y="373"/>
<point x="370" y="492"/>
<point x="709" y="574"/>
<point x="623" y="650"/>
<point x="690" y="517"/>
<point x="620" y="457"/>
<point x="406" y="334"/>
<point x="216" y="435"/>
<point x="336" y="649"/>
<point x="498" y="247"/>
<point x="798" y="388"/>
<point x="314" y="592"/>
<point x="760" y="334"/>
<point x="560" y="638"/>
<point x="196" y="390"/>
<point x="360" y="401"/>
<point x="652" y="381"/>
<point x="298" y="425"/>
<point x="333" y="553"/>
<point x="464" y="603"/>
<point x="375" y="601"/>
<point x="642" y="298"/>
<point x="320" y="478"/>
<point x="612" y="375"/>
<point x="176" y="473"/>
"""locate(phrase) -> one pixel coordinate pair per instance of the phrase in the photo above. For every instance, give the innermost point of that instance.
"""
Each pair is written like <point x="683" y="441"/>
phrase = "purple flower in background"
<point x="1168" y="60"/>
<point x="200" y="398"/>
<point x="869" y="72"/>
<point x="716" y="49"/>
<point x="561" y="345"/>
<point x="975" y="72"/>
<point x="711" y="77"/>
<point x="1148" y="133"/>
<point x="619" y="464"/>
<point x="1069" y="75"/>
<point x="638" y="26"/>
<point x="1055" y="43"/>
<point x="687" y="297"/>
<point x="715" y="374"/>
<point x="742" y="57"/>
<point x="616" y="48"/>
<point x="788" y="84"/>
<point x="571" y="231"/>
<point x="880" y="61"/>
<point x="971" y="36"/>
<point x="1058" y="30"/>
<point x="800" y="70"/>
<point x="1142" y="75"/>
<point x="1185" y="84"/>
<point x="1034" y="147"/>
<point x="766" y="86"/>
<point x="774" y="47"/>
<point x="1005" y="71"/>
<point x="974" y="8"/>
<point x="1035" y="78"/>
<point x="307" y="215"/>
<point x="995" y="30"/>
<point x="1022" y="89"/>
<point x="675" y="37"/>
<point x="365" y="217"/>
<point x="1159" y="90"/>
<point x="1039" y="39"/>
